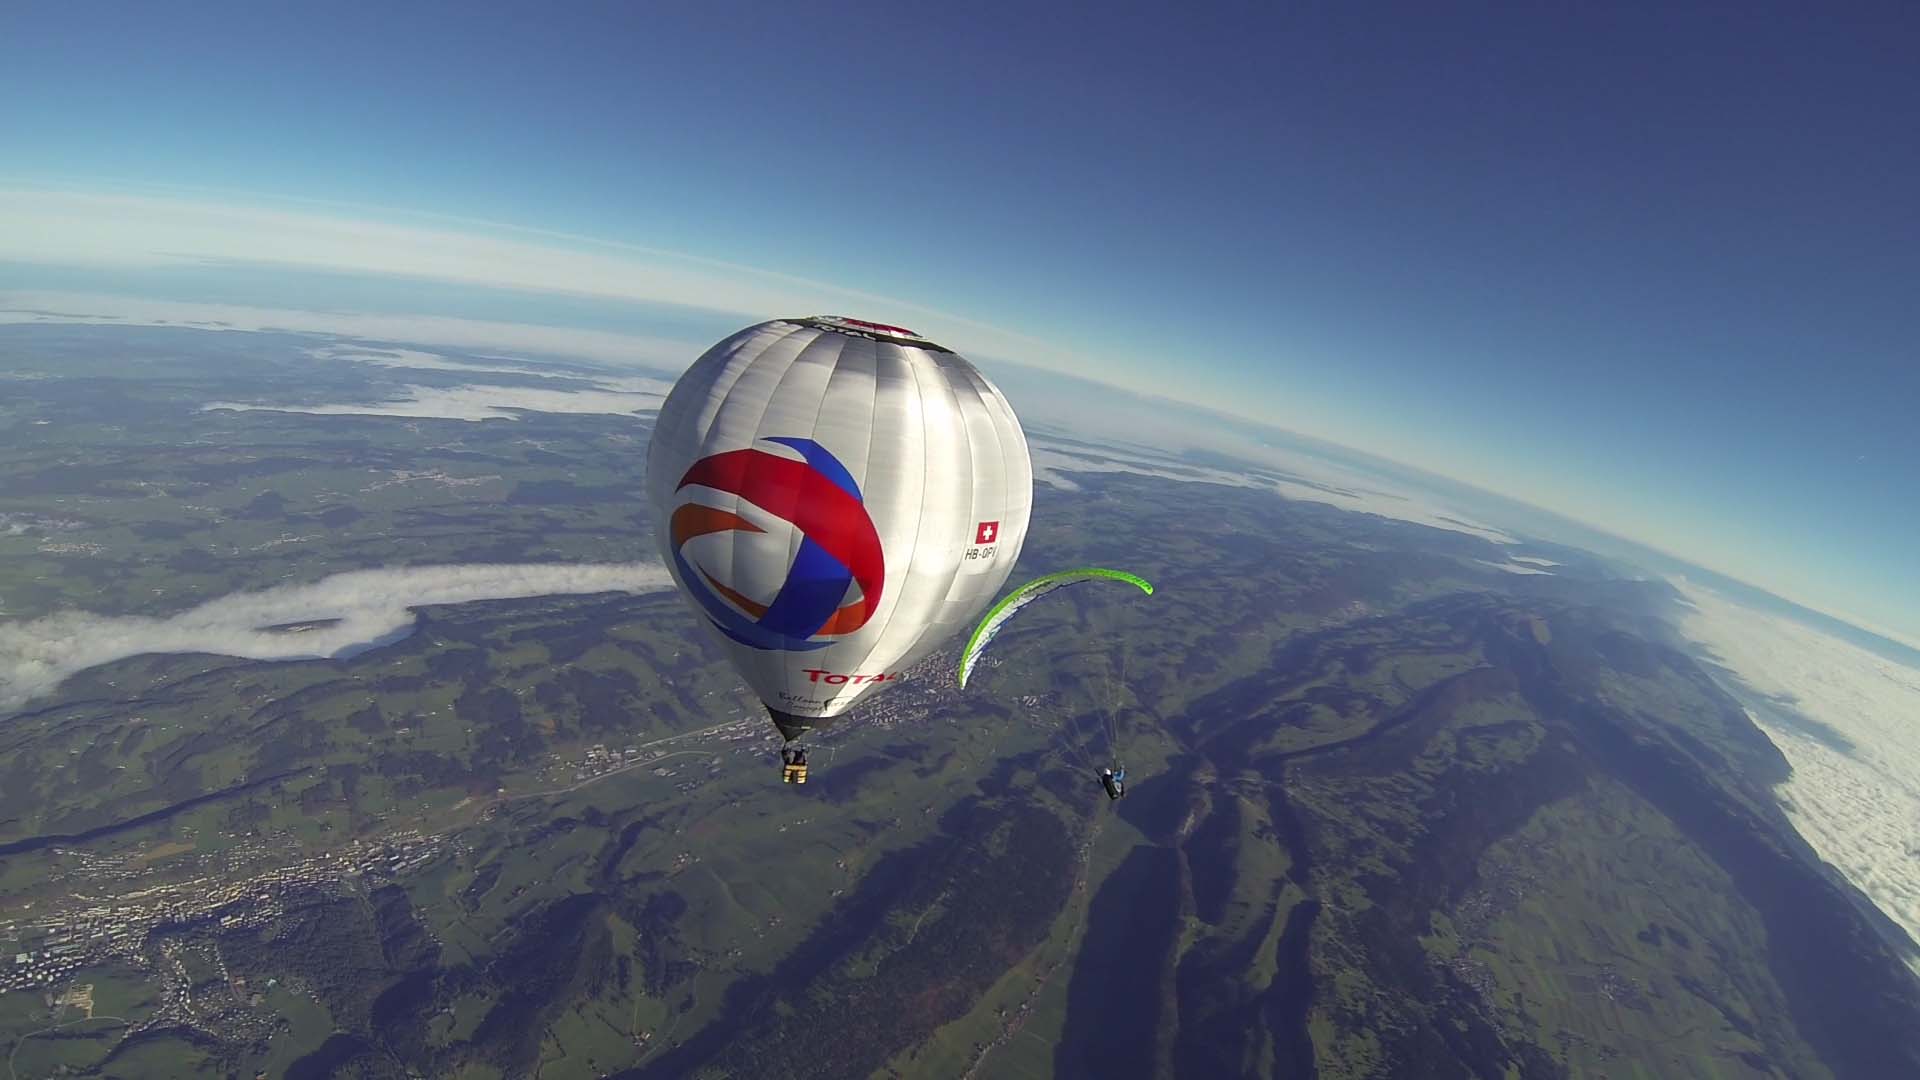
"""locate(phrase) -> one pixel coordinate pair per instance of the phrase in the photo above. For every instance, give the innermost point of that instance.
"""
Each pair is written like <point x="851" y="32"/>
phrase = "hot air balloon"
<point x="836" y="499"/>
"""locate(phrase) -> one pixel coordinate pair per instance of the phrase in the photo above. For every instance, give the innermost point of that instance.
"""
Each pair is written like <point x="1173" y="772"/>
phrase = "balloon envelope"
<point x="836" y="498"/>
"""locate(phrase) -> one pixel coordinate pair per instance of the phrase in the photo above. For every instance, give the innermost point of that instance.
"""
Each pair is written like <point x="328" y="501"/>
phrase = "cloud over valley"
<point x="1846" y="720"/>
<point x="349" y="611"/>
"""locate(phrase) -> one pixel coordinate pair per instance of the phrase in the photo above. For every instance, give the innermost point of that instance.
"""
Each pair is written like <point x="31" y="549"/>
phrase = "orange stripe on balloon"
<point x="693" y="519"/>
<point x="847" y="619"/>
<point x="741" y="601"/>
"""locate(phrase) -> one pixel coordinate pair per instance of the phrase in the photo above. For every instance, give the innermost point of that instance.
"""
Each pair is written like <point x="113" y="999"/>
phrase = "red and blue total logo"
<point x="839" y="546"/>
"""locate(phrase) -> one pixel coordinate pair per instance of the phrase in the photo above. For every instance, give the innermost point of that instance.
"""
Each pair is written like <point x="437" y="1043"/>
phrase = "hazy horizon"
<point x="659" y="352"/>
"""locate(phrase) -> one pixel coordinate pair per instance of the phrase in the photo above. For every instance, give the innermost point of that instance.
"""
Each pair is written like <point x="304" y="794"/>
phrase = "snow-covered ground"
<point x="1855" y="790"/>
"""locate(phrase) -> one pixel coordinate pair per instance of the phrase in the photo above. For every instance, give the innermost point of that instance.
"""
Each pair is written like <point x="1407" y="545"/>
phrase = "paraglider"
<point x="1019" y="598"/>
<point x="1112" y="777"/>
<point x="835" y="498"/>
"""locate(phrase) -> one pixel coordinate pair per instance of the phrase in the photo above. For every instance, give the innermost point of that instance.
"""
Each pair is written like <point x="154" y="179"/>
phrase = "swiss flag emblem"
<point x="986" y="532"/>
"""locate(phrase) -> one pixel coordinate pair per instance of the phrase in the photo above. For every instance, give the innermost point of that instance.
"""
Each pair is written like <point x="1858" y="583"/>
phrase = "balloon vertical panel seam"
<point x="897" y="592"/>
<point x="873" y="415"/>
<point x="946" y="388"/>
<point x="920" y="509"/>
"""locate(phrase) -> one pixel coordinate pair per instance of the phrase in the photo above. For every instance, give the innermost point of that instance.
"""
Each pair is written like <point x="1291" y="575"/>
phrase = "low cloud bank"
<point x="1056" y="462"/>
<point x="1856" y="799"/>
<point x="1515" y="567"/>
<point x="420" y="360"/>
<point x="21" y="306"/>
<point x="564" y="391"/>
<point x="365" y="607"/>
<point x="476" y="402"/>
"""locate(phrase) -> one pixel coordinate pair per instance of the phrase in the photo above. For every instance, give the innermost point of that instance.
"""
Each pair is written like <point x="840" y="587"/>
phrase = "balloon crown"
<point x="842" y="324"/>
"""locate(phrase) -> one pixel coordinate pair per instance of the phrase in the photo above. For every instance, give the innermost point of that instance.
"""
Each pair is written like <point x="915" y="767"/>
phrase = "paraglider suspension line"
<point x="1074" y="734"/>
<point x="1115" y="685"/>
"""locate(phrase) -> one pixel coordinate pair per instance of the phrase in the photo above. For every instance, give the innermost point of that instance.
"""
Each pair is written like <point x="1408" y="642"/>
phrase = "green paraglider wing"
<point x="1027" y="594"/>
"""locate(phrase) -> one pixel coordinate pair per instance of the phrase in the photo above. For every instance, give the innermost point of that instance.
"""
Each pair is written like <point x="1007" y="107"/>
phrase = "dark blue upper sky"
<point x="1655" y="269"/>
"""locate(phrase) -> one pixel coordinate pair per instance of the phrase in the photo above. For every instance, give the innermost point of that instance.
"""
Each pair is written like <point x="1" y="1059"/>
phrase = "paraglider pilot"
<point x="1115" y="781"/>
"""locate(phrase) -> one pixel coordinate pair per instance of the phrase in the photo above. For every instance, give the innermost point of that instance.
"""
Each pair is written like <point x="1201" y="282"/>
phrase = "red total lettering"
<point x="823" y="675"/>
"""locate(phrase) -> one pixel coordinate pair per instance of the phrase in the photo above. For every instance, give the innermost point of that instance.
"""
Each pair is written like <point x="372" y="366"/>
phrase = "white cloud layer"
<point x="1858" y="807"/>
<point x="420" y="360"/>
<point x="1515" y="567"/>
<point x="563" y="391"/>
<point x="370" y="606"/>
<point x="478" y="402"/>
<point x="1056" y="463"/>
<point x="29" y="306"/>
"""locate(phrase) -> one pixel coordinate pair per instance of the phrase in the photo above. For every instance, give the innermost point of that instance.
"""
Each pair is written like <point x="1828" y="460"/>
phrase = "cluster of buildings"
<point x="922" y="686"/>
<point x="599" y="759"/>
<point x="43" y="949"/>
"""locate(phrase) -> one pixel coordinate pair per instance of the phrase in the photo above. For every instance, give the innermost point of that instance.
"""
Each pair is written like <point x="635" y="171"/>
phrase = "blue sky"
<point x="1652" y="269"/>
